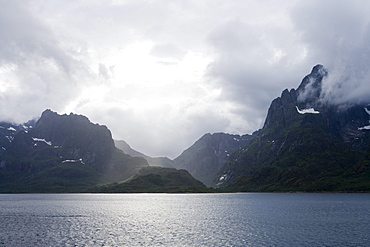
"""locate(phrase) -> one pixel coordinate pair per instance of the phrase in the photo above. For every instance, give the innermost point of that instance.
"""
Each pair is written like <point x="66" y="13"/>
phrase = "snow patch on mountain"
<point x="364" y="128"/>
<point x="10" y="138"/>
<point x="41" y="140"/>
<point x="304" y="111"/>
<point x="73" y="161"/>
<point x="367" y="111"/>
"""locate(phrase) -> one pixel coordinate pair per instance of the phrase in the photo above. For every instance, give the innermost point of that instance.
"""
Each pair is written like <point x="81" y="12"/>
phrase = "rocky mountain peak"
<point x="284" y="108"/>
<point x="75" y="135"/>
<point x="309" y="90"/>
<point x="49" y="116"/>
<point x="62" y="129"/>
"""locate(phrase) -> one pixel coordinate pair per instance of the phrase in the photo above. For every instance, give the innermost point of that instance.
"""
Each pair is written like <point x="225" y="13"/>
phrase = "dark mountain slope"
<point x="9" y="130"/>
<point x="206" y="156"/>
<point x="305" y="144"/>
<point x="63" y="153"/>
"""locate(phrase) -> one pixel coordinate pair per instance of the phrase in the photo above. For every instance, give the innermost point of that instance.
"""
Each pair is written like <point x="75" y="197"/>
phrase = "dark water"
<point x="245" y="219"/>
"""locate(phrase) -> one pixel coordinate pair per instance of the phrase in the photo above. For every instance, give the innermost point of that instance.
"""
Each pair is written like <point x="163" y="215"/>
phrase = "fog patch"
<point x="346" y="87"/>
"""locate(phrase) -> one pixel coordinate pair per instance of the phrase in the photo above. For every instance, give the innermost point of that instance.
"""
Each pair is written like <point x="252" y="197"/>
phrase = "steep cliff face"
<point x="283" y="110"/>
<point x="206" y="156"/>
<point x="306" y="144"/>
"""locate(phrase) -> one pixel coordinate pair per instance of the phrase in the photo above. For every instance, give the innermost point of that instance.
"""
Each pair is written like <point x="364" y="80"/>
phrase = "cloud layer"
<point x="160" y="74"/>
<point x="340" y="38"/>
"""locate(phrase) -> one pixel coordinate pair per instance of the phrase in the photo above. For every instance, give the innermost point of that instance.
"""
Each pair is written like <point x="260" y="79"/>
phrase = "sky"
<point x="160" y="74"/>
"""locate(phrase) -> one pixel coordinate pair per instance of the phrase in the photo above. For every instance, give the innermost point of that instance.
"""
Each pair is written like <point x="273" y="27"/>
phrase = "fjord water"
<point x="241" y="219"/>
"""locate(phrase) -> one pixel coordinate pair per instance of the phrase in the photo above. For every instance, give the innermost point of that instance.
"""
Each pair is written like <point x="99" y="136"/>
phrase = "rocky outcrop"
<point x="282" y="110"/>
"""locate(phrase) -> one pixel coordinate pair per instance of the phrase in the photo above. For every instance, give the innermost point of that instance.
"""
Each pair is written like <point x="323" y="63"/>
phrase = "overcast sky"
<point x="160" y="74"/>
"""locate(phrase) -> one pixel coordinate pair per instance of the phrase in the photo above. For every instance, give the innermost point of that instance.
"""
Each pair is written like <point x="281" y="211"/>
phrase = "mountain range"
<point x="307" y="143"/>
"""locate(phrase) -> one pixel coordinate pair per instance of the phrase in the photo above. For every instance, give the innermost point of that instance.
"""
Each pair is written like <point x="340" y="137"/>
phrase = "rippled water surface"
<point x="243" y="219"/>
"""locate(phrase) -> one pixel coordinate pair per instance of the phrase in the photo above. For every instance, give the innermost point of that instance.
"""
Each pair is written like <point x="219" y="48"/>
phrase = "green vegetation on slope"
<point x="303" y="158"/>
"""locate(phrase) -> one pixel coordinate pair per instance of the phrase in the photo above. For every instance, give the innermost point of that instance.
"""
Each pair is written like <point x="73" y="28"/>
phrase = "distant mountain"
<point x="156" y="179"/>
<point x="153" y="161"/>
<point x="61" y="153"/>
<point x="306" y="144"/>
<point x="206" y="156"/>
<point x="203" y="159"/>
